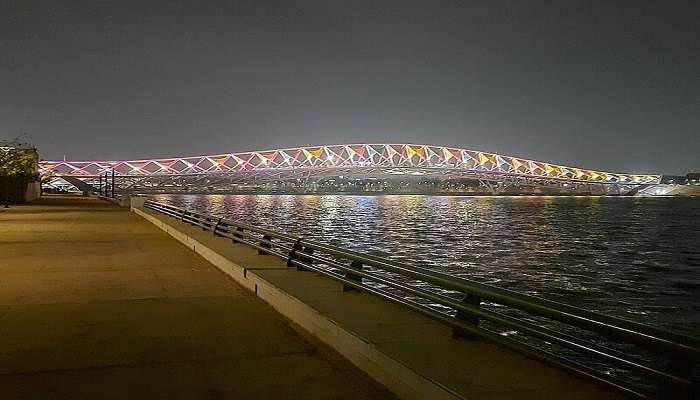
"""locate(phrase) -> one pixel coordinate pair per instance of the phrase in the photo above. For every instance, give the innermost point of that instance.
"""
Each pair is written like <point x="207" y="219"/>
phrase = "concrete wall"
<point x="18" y="189"/>
<point x="33" y="191"/>
<point x="137" y="202"/>
<point x="121" y="201"/>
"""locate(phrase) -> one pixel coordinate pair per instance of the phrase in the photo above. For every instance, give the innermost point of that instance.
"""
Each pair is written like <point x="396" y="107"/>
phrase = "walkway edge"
<point x="395" y="376"/>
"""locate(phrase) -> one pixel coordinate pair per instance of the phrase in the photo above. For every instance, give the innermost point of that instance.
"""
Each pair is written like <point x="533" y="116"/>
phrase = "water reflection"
<point x="638" y="258"/>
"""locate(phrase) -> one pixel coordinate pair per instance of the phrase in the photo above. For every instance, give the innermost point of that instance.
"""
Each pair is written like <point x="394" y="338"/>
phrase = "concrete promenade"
<point x="98" y="303"/>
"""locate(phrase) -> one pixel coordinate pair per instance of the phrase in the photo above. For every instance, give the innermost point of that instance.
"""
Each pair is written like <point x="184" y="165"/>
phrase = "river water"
<point x="635" y="258"/>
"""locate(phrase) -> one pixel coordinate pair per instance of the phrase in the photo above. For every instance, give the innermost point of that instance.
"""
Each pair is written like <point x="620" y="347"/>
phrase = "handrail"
<point x="559" y="311"/>
<point x="682" y="353"/>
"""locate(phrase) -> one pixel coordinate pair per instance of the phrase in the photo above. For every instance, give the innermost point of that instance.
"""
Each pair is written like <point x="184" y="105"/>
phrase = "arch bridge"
<point x="400" y="168"/>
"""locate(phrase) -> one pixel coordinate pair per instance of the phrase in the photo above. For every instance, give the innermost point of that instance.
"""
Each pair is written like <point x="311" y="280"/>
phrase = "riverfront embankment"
<point x="634" y="258"/>
<point x="411" y="354"/>
<point x="97" y="303"/>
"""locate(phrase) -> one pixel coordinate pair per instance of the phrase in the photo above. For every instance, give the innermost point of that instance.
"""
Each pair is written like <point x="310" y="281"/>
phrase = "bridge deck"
<point x="95" y="302"/>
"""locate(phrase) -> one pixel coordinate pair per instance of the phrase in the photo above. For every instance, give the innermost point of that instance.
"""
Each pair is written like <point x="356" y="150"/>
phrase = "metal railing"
<point x="656" y="363"/>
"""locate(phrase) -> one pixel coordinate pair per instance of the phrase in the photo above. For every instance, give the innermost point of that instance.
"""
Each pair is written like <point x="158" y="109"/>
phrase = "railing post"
<point x="217" y="227"/>
<point x="356" y="265"/>
<point x="265" y="245"/>
<point x="305" y="259"/>
<point x="292" y="253"/>
<point x="298" y="247"/>
<point x="471" y="319"/>
<point x="238" y="233"/>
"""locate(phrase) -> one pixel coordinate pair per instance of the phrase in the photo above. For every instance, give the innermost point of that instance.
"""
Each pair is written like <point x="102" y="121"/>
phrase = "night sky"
<point x="601" y="84"/>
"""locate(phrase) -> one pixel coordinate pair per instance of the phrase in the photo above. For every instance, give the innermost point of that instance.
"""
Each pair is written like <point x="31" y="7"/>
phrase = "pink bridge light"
<point x="384" y="156"/>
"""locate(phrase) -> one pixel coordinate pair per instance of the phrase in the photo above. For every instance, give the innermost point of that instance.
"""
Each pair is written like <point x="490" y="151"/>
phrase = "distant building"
<point x="673" y="180"/>
<point x="693" y="177"/>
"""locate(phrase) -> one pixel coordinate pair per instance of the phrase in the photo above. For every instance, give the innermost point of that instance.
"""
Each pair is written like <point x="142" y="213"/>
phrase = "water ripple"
<point x="636" y="258"/>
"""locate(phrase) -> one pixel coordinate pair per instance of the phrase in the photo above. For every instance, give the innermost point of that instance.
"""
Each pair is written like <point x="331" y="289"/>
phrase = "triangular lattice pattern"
<point x="346" y="156"/>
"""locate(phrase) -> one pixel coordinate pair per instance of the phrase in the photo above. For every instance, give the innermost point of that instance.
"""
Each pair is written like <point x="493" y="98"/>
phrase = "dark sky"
<point x="602" y="84"/>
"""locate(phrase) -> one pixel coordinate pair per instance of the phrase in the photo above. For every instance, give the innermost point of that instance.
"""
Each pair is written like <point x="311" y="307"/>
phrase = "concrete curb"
<point x="397" y="377"/>
<point x="123" y="201"/>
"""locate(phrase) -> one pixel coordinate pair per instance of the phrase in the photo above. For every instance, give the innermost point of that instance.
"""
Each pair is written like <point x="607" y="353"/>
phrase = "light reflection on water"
<point x="636" y="258"/>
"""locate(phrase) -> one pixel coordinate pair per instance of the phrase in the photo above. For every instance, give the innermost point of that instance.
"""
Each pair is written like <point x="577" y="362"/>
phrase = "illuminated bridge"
<point x="392" y="168"/>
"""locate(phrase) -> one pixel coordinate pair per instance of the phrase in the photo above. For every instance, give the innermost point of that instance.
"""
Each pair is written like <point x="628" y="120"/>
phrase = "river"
<point x="635" y="258"/>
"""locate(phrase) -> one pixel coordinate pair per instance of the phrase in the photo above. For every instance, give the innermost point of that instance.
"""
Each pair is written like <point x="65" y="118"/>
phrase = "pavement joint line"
<point x="44" y="270"/>
<point x="2" y="314"/>
<point x="159" y="363"/>
<point x="245" y="270"/>
<point x="235" y="295"/>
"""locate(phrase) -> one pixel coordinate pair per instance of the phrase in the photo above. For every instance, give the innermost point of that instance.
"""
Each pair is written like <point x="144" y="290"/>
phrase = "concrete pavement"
<point x="97" y="303"/>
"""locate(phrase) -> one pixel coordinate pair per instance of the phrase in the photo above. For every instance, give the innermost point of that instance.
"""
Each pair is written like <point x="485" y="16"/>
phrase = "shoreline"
<point x="271" y="193"/>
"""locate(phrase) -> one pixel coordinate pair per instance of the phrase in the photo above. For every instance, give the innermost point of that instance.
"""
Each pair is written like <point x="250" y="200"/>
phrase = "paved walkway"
<point x="97" y="303"/>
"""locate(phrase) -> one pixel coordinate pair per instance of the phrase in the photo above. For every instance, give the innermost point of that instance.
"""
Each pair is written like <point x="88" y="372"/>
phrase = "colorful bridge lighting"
<point x="387" y="157"/>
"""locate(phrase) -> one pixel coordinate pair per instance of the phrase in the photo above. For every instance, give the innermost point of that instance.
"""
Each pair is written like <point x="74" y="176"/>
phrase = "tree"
<point x="18" y="166"/>
<point x="19" y="162"/>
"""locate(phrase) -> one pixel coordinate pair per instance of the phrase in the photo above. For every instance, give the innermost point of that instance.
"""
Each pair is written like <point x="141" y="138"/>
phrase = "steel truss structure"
<point x="313" y="165"/>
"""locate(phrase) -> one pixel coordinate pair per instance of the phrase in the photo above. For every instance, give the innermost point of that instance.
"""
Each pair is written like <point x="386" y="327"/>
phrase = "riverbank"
<point x="659" y="190"/>
<point x="631" y="257"/>
<point x="410" y="353"/>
